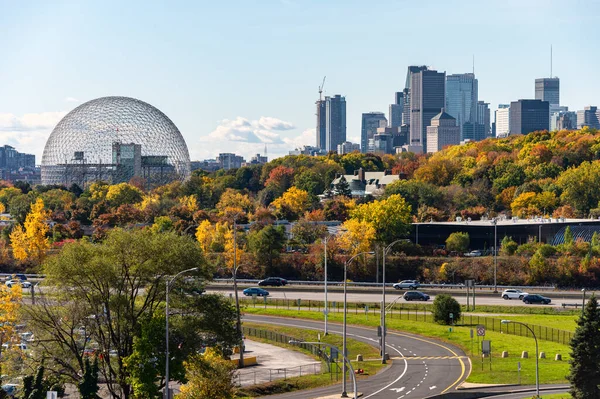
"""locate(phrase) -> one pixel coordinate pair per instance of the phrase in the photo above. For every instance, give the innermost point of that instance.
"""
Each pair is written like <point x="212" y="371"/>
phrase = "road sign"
<point x="486" y="347"/>
<point x="334" y="352"/>
<point x="480" y="331"/>
<point x="51" y="395"/>
<point x="451" y="315"/>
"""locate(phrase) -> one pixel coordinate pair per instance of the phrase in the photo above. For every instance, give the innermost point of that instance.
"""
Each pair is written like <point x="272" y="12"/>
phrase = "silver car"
<point x="407" y="285"/>
<point x="513" y="294"/>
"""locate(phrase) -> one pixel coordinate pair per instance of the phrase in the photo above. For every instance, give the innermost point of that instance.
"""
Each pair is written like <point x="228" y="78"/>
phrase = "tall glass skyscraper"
<point x="407" y="85"/>
<point x="371" y="121"/>
<point x="427" y="98"/>
<point x="335" y="123"/>
<point x="548" y="89"/>
<point x="462" y="98"/>
<point x="396" y="109"/>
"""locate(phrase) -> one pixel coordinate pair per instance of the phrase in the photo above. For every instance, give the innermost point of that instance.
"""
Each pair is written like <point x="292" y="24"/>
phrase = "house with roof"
<point x="363" y="183"/>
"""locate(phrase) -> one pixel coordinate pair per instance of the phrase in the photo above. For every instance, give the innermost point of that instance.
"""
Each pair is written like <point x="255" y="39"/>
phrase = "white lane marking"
<point x="398" y="390"/>
<point x="433" y="387"/>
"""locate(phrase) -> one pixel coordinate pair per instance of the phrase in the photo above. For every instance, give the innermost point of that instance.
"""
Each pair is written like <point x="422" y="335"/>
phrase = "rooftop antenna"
<point x="321" y="88"/>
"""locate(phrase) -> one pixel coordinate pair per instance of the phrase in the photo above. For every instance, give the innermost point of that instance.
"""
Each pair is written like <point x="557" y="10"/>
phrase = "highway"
<point x="374" y="296"/>
<point x="421" y="367"/>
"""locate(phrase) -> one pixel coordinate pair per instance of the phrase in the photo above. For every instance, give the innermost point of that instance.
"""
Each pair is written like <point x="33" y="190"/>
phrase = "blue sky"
<point x="235" y="74"/>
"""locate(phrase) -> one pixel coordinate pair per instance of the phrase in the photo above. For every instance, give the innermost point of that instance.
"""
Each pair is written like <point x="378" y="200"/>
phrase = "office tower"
<point x="335" y="121"/>
<point x="462" y="98"/>
<point x="382" y="143"/>
<point x="347" y="147"/>
<point x="399" y="136"/>
<point x="483" y="118"/>
<point x="442" y="132"/>
<point x="427" y="98"/>
<point x="407" y="85"/>
<point x="321" y="124"/>
<point x="589" y="116"/>
<point x="502" y="117"/>
<point x="527" y="116"/>
<point x="370" y="122"/>
<point x="230" y="161"/>
<point x="563" y="120"/>
<point x="548" y="89"/>
<point x="396" y="110"/>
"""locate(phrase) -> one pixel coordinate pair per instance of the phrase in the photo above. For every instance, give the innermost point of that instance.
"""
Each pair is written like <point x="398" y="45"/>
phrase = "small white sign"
<point x="51" y="395"/>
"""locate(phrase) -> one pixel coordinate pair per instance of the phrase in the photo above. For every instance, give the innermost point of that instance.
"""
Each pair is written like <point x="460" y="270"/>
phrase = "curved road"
<point x="421" y="367"/>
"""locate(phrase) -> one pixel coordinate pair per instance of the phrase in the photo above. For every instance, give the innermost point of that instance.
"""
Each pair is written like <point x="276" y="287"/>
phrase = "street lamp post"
<point x="235" y="290"/>
<point x="583" y="304"/>
<point x="326" y="311"/>
<point x="344" y="393"/>
<point x="495" y="223"/>
<point x="343" y="357"/>
<point x="537" y="356"/>
<point x="385" y="251"/>
<point x="169" y="282"/>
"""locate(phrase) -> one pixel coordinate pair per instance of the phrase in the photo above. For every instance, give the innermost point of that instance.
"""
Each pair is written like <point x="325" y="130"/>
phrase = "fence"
<point x="261" y="376"/>
<point x="422" y="313"/>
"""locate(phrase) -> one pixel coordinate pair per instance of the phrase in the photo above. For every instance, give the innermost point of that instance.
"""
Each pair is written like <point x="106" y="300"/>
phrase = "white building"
<point x="502" y="117"/>
<point x="442" y="132"/>
<point x="347" y="147"/>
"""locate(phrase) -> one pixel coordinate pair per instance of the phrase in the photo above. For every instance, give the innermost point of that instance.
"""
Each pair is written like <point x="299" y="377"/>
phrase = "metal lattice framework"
<point x="114" y="139"/>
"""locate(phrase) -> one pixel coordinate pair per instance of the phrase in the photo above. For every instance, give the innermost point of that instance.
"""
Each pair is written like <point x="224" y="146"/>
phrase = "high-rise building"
<point x="527" y="116"/>
<point x="548" y="89"/>
<point x="230" y="161"/>
<point x="502" y="118"/>
<point x="483" y="118"/>
<point x="321" y="124"/>
<point x="442" y="132"/>
<point x="382" y="143"/>
<point x="399" y="135"/>
<point x="347" y="147"/>
<point x="563" y="120"/>
<point x="427" y="98"/>
<point x="371" y="121"/>
<point x="335" y="121"/>
<point x="462" y="98"/>
<point x="407" y="86"/>
<point x="396" y="109"/>
<point x="589" y="116"/>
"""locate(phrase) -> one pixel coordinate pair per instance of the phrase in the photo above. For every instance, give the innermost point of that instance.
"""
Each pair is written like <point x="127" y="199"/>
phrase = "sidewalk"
<point x="274" y="363"/>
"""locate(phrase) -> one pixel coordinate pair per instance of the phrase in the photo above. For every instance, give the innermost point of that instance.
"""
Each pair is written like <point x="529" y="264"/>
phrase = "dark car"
<point x="255" y="291"/>
<point x="535" y="298"/>
<point x="273" y="281"/>
<point x="415" y="296"/>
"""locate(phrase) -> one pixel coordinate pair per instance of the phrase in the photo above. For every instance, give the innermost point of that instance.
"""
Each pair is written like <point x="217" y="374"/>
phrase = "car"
<point x="274" y="281"/>
<point x="415" y="296"/>
<point x="536" y="299"/>
<point x="513" y="294"/>
<point x="23" y="284"/>
<point x="10" y="389"/>
<point x="407" y="284"/>
<point x="255" y="291"/>
<point x="474" y="253"/>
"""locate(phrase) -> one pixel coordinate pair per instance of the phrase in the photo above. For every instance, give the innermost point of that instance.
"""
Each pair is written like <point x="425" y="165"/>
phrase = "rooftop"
<point x="504" y="221"/>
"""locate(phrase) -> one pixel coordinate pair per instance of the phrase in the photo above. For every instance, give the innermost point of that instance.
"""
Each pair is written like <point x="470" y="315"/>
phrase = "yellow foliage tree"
<point x="358" y="236"/>
<point x="10" y="301"/>
<point x="190" y="202"/>
<point x="294" y="200"/>
<point x="31" y="242"/>
<point x="210" y="376"/>
<point x="233" y="202"/>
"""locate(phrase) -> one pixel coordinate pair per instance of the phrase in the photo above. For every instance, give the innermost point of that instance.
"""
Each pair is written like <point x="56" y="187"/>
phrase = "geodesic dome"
<point x="115" y="139"/>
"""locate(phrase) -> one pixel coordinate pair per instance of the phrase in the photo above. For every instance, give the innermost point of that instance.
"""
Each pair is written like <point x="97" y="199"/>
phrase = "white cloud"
<point x="28" y="133"/>
<point x="271" y="123"/>
<point x="308" y="137"/>
<point x="71" y="100"/>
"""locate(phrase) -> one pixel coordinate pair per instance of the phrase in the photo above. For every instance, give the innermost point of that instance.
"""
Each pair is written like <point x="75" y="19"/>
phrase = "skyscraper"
<point x="483" y="118"/>
<point x="589" y="116"/>
<point x="321" y="124"/>
<point x="442" y="132"/>
<point x="427" y="98"/>
<point x="548" y="89"/>
<point x="407" y="85"/>
<point x="335" y="121"/>
<point x="527" y="116"/>
<point x="370" y="122"/>
<point x="461" y="98"/>
<point x="396" y="109"/>
<point x="502" y="117"/>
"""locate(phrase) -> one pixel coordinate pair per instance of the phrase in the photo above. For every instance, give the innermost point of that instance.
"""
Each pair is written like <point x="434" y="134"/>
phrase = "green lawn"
<point x="504" y="370"/>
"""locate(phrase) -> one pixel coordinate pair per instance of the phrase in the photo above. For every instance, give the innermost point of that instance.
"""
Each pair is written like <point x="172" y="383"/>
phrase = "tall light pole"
<point x="385" y="251"/>
<point x="537" y="356"/>
<point x="344" y="393"/>
<point x="235" y="290"/>
<point x="326" y="311"/>
<point x="495" y="223"/>
<point x="583" y="304"/>
<point x="169" y="282"/>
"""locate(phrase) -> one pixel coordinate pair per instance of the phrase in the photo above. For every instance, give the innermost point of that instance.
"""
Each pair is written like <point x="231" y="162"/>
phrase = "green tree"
<point x="569" y="240"/>
<point x="579" y="186"/>
<point x="209" y="377"/>
<point x="444" y="306"/>
<point x="508" y="246"/>
<point x="458" y="241"/>
<point x="343" y="188"/>
<point x="88" y="386"/>
<point x="390" y="217"/>
<point x="266" y="244"/>
<point x="584" y="374"/>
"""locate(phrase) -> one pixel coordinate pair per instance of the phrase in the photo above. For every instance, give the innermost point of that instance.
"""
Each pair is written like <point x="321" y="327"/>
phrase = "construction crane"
<point x="321" y="89"/>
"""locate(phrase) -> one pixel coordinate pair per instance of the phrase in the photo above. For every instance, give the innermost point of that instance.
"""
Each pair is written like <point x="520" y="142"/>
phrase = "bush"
<point x="458" y="242"/>
<point x="443" y="305"/>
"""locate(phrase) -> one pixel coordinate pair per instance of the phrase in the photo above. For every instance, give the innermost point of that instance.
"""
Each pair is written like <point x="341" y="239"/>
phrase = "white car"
<point x="513" y="294"/>
<point x="23" y="284"/>
<point x="407" y="284"/>
<point x="473" y="254"/>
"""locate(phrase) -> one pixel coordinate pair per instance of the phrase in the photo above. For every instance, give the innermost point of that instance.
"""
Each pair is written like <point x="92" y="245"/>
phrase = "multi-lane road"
<point x="420" y="367"/>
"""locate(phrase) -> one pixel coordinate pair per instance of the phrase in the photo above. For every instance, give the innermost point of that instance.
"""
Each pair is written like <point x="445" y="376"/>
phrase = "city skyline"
<point x="230" y="85"/>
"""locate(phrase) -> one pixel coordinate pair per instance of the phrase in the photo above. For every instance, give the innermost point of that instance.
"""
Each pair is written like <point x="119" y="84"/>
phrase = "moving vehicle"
<point x="255" y="291"/>
<point x="536" y="299"/>
<point x="513" y="294"/>
<point x="10" y="389"/>
<point x="407" y="284"/>
<point x="474" y="253"/>
<point x="274" y="281"/>
<point x="23" y="284"/>
<point x="415" y="296"/>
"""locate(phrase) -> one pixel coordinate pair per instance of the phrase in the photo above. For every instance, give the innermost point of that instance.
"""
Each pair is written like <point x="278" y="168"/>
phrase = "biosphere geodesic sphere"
<point x="115" y="139"/>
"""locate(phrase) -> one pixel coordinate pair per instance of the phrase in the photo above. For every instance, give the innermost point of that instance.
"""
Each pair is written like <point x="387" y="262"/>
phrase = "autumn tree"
<point x="266" y="244"/>
<point x="210" y="376"/>
<point x="579" y="186"/>
<point x="458" y="242"/>
<point x="293" y="203"/>
<point x="123" y="193"/>
<point x="10" y="302"/>
<point x="390" y="217"/>
<point x="358" y="236"/>
<point x="31" y="243"/>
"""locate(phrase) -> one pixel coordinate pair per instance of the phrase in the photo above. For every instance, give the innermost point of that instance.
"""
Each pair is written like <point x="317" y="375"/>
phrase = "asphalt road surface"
<point x="420" y="367"/>
<point x="375" y="297"/>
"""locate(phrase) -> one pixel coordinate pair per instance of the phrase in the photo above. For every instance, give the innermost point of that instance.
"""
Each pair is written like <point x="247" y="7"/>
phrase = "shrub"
<point x="443" y="305"/>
